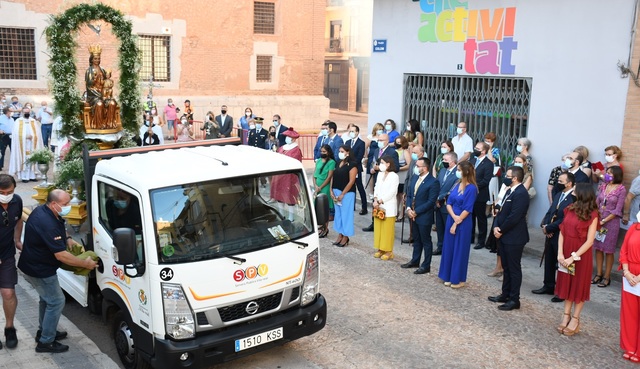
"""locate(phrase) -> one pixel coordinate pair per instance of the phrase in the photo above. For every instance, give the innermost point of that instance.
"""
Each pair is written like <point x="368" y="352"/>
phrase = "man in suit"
<point x="421" y="201"/>
<point x="484" y="172"/>
<point x="417" y="152"/>
<point x="225" y="122"/>
<point x="447" y="178"/>
<point x="280" y="129"/>
<point x="510" y="228"/>
<point x="357" y="152"/>
<point x="333" y="139"/>
<point x="576" y="161"/>
<point x="322" y="140"/>
<point x="258" y="135"/>
<point x="551" y="228"/>
<point x="383" y="149"/>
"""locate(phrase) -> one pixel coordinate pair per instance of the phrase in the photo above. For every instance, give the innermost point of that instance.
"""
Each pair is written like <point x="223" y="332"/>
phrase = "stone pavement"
<point x="83" y="353"/>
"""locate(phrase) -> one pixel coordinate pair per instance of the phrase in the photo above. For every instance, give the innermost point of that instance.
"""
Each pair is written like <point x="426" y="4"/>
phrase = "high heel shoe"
<point x="378" y="254"/>
<point x="324" y="232"/>
<point x="338" y="240"/>
<point x="603" y="283"/>
<point x="387" y="256"/>
<point x="571" y="332"/>
<point x="561" y="327"/>
<point x="343" y="244"/>
<point x="597" y="279"/>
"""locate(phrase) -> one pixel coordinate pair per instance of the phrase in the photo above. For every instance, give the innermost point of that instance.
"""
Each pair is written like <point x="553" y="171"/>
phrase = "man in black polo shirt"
<point x="45" y="249"/>
<point x="10" y="232"/>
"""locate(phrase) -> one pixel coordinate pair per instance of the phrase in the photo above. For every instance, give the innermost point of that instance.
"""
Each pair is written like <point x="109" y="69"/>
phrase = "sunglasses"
<point x="5" y="217"/>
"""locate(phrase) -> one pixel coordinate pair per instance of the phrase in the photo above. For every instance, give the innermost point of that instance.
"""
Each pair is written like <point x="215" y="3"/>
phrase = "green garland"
<point x="62" y="45"/>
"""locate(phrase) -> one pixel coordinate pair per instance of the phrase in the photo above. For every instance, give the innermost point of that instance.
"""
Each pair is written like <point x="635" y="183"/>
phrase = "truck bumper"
<point x="218" y="347"/>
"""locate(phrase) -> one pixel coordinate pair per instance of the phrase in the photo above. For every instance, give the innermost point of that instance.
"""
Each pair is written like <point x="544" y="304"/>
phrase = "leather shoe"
<point x="410" y="240"/>
<point x="408" y="265"/>
<point x="59" y="335"/>
<point x="437" y="252"/>
<point x="52" y="347"/>
<point x="509" y="305"/>
<point x="368" y="229"/>
<point x="499" y="298"/>
<point x="543" y="291"/>
<point x="363" y="212"/>
<point x="556" y="299"/>
<point x="422" y="271"/>
<point x="478" y="246"/>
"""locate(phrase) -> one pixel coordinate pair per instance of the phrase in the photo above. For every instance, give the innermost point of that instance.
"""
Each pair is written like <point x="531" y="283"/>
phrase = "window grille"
<point x="156" y="57"/>
<point x="264" y="18"/>
<point x="17" y="53"/>
<point x="263" y="68"/>
<point x="486" y="104"/>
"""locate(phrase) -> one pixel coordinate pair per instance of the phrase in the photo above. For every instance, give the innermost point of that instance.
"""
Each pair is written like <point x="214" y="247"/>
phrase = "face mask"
<point x="518" y="165"/>
<point x="382" y="167"/>
<point x="64" y="210"/>
<point x="459" y="130"/>
<point x="223" y="112"/>
<point x="324" y="132"/>
<point x="477" y="153"/>
<point x="379" y="132"/>
<point x="416" y="171"/>
<point x="324" y="156"/>
<point x="252" y="126"/>
<point x="458" y="174"/>
<point x="288" y="140"/>
<point x="352" y="135"/>
<point x="27" y="115"/>
<point x="248" y="113"/>
<point x="382" y="144"/>
<point x="4" y="101"/>
<point x="414" y="156"/>
<point x="608" y="158"/>
<point x="120" y="204"/>
<point x="568" y="163"/>
<point x="152" y="111"/>
<point x="387" y="127"/>
<point x="444" y="150"/>
<point x="608" y="178"/>
<point x="342" y="155"/>
<point x="258" y="127"/>
<point x="519" y="148"/>
<point x="276" y="123"/>
<point x="507" y="181"/>
<point x="398" y="145"/>
<point x="488" y="143"/>
<point x="272" y="134"/>
<point x="559" y="187"/>
<point x="6" y="198"/>
<point x="445" y="165"/>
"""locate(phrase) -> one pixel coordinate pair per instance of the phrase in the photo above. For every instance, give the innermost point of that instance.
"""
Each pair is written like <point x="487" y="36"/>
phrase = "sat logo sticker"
<point x="142" y="297"/>
<point x="251" y="272"/>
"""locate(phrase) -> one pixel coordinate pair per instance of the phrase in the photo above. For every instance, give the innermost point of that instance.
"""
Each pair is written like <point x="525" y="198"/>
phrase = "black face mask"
<point x="398" y="146"/>
<point x="507" y="181"/>
<point x="477" y="153"/>
<point x="223" y="112"/>
<point x="445" y="165"/>
<point x="272" y="134"/>
<point x="27" y="115"/>
<point x="559" y="187"/>
<point x="324" y="156"/>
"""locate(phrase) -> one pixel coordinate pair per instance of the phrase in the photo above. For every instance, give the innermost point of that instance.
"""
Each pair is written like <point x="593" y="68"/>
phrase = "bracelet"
<point x="69" y="238"/>
<point x="575" y="256"/>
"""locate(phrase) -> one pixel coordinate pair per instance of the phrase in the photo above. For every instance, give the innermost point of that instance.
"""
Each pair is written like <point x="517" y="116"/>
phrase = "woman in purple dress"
<point x="610" y="200"/>
<point x="457" y="236"/>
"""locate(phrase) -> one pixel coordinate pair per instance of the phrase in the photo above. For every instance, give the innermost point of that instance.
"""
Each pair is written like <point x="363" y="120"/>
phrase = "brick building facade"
<point x="266" y="54"/>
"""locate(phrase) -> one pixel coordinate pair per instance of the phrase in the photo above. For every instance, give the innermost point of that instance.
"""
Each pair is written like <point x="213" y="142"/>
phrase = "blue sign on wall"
<point x="379" y="46"/>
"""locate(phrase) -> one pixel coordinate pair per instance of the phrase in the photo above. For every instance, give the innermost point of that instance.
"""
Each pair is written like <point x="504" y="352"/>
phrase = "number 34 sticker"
<point x="166" y="274"/>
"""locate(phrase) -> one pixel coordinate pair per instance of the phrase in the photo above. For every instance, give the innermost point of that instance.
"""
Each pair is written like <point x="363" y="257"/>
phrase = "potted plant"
<point x="71" y="173"/>
<point x="41" y="157"/>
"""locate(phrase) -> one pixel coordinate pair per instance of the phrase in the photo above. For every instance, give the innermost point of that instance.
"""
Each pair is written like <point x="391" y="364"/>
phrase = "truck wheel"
<point x="125" y="345"/>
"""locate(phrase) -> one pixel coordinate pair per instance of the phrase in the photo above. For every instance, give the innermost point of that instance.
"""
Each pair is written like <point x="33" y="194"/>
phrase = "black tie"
<point x="507" y="194"/>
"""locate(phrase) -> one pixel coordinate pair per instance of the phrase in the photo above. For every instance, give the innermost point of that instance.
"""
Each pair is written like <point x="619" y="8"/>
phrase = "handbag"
<point x="379" y="213"/>
<point x="532" y="192"/>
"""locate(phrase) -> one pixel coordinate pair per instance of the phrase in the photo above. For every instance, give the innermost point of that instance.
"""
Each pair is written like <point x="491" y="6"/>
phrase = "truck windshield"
<point x="230" y="216"/>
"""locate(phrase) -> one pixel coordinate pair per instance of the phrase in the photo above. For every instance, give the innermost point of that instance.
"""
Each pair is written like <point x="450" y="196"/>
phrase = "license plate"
<point x="258" y="339"/>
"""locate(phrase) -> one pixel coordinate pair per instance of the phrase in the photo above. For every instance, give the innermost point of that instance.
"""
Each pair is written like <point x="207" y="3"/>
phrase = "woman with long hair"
<point x="370" y="147"/>
<point x="457" y="236"/>
<point x="445" y="147"/>
<point x="322" y="176"/>
<point x="413" y="134"/>
<point x="343" y="193"/>
<point x="575" y="260"/>
<point x="404" y="159"/>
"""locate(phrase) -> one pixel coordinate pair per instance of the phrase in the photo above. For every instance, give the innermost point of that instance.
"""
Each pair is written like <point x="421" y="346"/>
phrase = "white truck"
<point x="200" y="261"/>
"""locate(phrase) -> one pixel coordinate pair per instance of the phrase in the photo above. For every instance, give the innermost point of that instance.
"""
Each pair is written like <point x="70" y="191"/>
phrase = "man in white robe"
<point x="26" y="138"/>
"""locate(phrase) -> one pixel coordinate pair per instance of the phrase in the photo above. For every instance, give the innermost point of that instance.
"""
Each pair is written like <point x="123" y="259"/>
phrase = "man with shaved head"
<point x="44" y="250"/>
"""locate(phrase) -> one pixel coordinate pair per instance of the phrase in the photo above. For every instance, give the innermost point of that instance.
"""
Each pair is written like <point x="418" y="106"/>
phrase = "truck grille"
<point x="294" y="294"/>
<point x="238" y="311"/>
<point x="202" y="318"/>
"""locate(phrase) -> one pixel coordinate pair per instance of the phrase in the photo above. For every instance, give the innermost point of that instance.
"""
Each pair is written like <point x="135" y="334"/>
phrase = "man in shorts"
<point x="10" y="232"/>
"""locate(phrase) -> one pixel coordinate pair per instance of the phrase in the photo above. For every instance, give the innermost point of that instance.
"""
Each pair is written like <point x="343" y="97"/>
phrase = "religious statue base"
<point x="42" y="193"/>
<point x="77" y="215"/>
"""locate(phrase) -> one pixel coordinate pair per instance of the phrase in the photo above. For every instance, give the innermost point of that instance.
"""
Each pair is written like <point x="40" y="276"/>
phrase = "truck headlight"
<point x="311" y="279"/>
<point x="178" y="317"/>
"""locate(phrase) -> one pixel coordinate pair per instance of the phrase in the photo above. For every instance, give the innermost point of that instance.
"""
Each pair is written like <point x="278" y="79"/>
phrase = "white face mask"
<point x="5" y="199"/>
<point x="518" y="165"/>
<point x="379" y="132"/>
<point x="275" y="123"/>
<point x="252" y="126"/>
<point x="288" y="140"/>
<point x="444" y="150"/>
<point x="409" y="128"/>
<point x="324" y="132"/>
<point x="519" y="148"/>
<point x="342" y="155"/>
<point x="388" y="127"/>
<point x="64" y="210"/>
<point x="459" y="130"/>
<point x="416" y="171"/>
<point x="458" y="174"/>
<point x="608" y="158"/>
<point x="382" y="167"/>
<point x="248" y="114"/>
<point x="352" y="135"/>
<point x="568" y="163"/>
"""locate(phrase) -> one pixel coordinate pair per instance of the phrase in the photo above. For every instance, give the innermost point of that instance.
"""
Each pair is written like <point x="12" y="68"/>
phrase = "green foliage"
<point x="71" y="170"/>
<point x="61" y="37"/>
<point x="41" y="156"/>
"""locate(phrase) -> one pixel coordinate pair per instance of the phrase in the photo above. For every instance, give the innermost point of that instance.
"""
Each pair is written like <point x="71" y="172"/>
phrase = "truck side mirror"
<point x="322" y="208"/>
<point x="124" y="239"/>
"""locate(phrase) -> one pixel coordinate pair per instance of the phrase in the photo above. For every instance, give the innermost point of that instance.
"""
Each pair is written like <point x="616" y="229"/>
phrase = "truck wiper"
<point x="236" y="259"/>
<point x="302" y="244"/>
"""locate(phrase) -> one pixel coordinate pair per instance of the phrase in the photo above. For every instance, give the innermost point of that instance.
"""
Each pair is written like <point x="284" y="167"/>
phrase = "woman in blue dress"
<point x="457" y="237"/>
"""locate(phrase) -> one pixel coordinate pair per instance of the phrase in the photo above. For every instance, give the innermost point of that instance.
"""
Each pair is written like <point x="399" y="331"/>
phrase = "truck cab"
<point x="207" y="253"/>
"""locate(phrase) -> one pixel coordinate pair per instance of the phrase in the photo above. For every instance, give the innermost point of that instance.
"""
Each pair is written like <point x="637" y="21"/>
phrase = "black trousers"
<point x="5" y="141"/>
<point x="480" y="218"/>
<point x="511" y="256"/>
<point x="551" y="262"/>
<point x="441" y="215"/>
<point x="361" y="191"/>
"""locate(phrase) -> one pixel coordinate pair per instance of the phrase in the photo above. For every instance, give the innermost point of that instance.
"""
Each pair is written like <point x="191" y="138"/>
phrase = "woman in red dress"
<point x="630" y="304"/>
<point x="577" y="233"/>
<point x="285" y="188"/>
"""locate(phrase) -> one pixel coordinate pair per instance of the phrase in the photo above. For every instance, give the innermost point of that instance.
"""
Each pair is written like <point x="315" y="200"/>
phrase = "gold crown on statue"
<point x="95" y="50"/>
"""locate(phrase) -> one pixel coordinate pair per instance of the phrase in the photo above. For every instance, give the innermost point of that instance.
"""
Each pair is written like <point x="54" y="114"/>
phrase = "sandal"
<point x="561" y="327"/>
<point x="603" y="283"/>
<point x="627" y="355"/>
<point x="387" y="256"/>
<point x="597" y="279"/>
<point x="570" y="332"/>
<point x="634" y="358"/>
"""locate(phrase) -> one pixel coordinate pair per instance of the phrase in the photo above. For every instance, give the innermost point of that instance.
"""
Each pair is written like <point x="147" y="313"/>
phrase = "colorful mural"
<point x="487" y="34"/>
